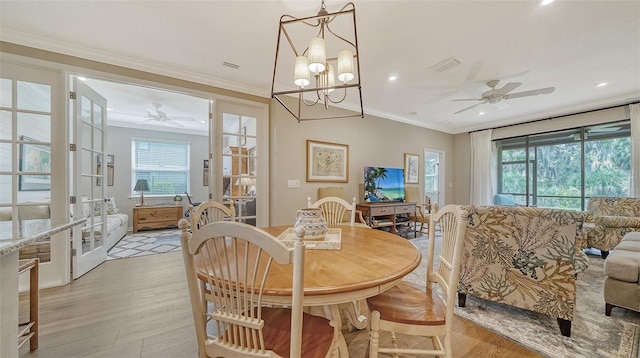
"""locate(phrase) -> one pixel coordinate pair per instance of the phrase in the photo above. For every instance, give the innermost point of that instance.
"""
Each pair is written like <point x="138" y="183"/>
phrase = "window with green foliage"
<point x="164" y="164"/>
<point x="564" y="169"/>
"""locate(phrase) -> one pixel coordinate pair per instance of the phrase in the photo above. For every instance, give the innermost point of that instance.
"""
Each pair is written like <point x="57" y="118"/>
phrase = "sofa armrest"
<point x="617" y="221"/>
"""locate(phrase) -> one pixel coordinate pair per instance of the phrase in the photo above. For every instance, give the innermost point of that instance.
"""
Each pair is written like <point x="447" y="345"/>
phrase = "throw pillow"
<point x="111" y="206"/>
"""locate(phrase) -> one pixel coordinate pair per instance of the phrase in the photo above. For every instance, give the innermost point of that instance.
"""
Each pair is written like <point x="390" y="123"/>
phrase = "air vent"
<point x="232" y="65"/>
<point x="445" y="65"/>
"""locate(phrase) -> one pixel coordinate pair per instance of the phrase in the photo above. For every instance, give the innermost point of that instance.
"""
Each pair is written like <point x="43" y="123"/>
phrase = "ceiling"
<point x="569" y="45"/>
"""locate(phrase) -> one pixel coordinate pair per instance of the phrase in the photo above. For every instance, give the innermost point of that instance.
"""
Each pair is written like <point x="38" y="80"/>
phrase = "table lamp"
<point x="141" y="186"/>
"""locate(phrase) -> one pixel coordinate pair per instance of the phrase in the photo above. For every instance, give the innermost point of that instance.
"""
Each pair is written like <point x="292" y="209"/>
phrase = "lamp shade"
<point x="141" y="185"/>
<point x="345" y="65"/>
<point x="302" y="76"/>
<point x="331" y="78"/>
<point x="317" y="55"/>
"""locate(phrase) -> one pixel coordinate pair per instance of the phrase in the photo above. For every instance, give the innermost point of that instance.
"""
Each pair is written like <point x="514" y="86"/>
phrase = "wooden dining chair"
<point x="211" y="211"/>
<point x="337" y="211"/>
<point x="415" y="309"/>
<point x="235" y="259"/>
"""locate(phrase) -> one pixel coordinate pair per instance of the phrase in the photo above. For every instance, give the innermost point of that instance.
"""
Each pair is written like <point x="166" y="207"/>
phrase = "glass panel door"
<point x="241" y="151"/>
<point x="90" y="118"/>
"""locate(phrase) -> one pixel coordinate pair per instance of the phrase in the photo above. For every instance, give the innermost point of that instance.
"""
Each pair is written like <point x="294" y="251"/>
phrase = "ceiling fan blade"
<point x="508" y="88"/>
<point x="184" y="119"/>
<point x="175" y="124"/>
<point x="477" y="104"/>
<point x="530" y="93"/>
<point x="467" y="99"/>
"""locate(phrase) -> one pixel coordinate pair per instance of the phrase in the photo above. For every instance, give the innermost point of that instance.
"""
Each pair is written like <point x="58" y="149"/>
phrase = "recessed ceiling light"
<point x="481" y="113"/>
<point x="109" y="109"/>
<point x="201" y="121"/>
<point x="546" y="2"/>
<point x="601" y="84"/>
<point x="392" y="78"/>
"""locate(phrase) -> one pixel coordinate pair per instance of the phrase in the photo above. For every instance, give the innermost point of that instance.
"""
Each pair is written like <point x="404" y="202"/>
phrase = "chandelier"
<point x="321" y="65"/>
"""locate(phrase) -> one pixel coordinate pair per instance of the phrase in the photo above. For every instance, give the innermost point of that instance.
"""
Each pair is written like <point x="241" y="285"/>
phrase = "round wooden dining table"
<point x="368" y="262"/>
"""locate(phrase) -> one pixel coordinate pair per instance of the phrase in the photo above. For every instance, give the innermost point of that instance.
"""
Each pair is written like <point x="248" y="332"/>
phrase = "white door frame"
<point x="440" y="199"/>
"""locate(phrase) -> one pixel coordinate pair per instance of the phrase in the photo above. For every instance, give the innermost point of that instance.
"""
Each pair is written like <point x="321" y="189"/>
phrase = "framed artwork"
<point x="110" y="159"/>
<point x="411" y="163"/>
<point x="327" y="162"/>
<point x="34" y="158"/>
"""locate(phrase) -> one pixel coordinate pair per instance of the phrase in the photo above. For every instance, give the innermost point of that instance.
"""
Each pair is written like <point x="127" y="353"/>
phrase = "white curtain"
<point x="635" y="149"/>
<point x="481" y="190"/>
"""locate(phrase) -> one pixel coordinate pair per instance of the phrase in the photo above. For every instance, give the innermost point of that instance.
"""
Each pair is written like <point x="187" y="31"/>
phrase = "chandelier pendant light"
<point x="320" y="66"/>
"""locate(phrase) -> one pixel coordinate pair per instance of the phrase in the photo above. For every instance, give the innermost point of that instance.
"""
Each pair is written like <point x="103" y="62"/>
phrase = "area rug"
<point x="592" y="333"/>
<point x="146" y="243"/>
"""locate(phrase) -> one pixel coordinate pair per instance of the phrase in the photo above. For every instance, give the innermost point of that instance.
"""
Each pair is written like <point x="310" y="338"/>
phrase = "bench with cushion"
<point x="622" y="267"/>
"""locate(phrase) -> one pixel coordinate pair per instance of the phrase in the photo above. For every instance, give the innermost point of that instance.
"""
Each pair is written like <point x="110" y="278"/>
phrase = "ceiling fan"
<point x="155" y="114"/>
<point x="498" y="95"/>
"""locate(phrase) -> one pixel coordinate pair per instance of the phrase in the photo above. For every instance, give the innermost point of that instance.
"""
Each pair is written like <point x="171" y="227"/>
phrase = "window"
<point x="164" y="164"/>
<point x="564" y="169"/>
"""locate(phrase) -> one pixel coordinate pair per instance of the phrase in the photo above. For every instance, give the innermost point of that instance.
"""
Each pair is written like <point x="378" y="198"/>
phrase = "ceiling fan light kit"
<point x="497" y="96"/>
<point x="314" y="74"/>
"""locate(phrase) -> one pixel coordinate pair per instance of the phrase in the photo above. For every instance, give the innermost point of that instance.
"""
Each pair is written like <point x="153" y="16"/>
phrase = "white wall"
<point x="118" y="143"/>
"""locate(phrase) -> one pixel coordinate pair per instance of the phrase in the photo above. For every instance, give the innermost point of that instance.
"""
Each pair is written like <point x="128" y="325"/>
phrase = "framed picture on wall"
<point x="411" y="163"/>
<point x="34" y="158"/>
<point x="327" y="162"/>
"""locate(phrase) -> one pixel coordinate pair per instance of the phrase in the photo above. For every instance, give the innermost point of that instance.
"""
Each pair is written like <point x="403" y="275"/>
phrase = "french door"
<point x="433" y="176"/>
<point x="88" y="184"/>
<point x="238" y="139"/>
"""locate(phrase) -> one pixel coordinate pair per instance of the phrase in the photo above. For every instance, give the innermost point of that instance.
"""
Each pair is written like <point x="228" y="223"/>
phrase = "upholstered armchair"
<point x="609" y="219"/>
<point x="524" y="257"/>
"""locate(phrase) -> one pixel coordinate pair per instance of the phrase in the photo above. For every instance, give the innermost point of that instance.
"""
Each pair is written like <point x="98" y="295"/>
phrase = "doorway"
<point x="434" y="176"/>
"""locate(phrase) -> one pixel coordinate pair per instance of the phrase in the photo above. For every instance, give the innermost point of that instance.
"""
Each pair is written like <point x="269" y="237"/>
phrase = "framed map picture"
<point x="327" y="162"/>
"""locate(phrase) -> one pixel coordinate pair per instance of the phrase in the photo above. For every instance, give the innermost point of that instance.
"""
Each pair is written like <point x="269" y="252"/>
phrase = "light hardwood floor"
<point x="139" y="307"/>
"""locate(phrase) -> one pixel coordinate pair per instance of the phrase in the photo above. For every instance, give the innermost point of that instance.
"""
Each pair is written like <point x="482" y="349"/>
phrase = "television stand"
<point x="393" y="216"/>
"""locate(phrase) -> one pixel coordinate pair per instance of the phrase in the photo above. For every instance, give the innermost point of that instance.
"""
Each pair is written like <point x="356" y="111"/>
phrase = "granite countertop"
<point x="15" y="235"/>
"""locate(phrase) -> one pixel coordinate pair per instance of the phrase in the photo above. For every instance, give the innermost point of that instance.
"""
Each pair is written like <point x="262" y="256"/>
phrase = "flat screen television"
<point x="383" y="184"/>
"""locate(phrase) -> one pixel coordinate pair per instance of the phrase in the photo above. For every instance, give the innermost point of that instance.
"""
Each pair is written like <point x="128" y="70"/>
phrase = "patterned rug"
<point x="146" y="243"/>
<point x="592" y="333"/>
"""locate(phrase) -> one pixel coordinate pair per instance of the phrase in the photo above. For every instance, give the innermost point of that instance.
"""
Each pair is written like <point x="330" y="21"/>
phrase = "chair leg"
<point x="34" y="297"/>
<point x="374" y="335"/>
<point x="607" y="309"/>
<point x="565" y="327"/>
<point x="462" y="299"/>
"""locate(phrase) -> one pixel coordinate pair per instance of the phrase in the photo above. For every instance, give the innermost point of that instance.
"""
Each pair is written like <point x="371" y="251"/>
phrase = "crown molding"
<point x="47" y="44"/>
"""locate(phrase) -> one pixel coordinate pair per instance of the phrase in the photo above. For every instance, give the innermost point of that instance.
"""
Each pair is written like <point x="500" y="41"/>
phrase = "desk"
<point x="369" y="262"/>
<point x="13" y="237"/>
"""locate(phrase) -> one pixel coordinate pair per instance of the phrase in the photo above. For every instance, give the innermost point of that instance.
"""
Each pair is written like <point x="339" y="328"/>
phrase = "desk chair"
<point x="235" y="259"/>
<point x="418" y="310"/>
<point x="423" y="210"/>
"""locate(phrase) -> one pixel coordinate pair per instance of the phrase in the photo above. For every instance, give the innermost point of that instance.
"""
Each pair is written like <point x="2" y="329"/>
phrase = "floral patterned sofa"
<point x="524" y="257"/>
<point x="609" y="219"/>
